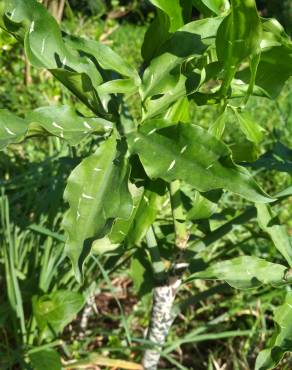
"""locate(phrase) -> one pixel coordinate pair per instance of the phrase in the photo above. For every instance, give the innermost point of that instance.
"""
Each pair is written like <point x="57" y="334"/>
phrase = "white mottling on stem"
<point x="87" y="125"/>
<point x="151" y="132"/>
<point x="96" y="169"/>
<point x="78" y="215"/>
<point x="172" y="164"/>
<point x="57" y="126"/>
<point x="31" y="27"/>
<point x="183" y="149"/>
<point x="86" y="196"/>
<point x="9" y="131"/>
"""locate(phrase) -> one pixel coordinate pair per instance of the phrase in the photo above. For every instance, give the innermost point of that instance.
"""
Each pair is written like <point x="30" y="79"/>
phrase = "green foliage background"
<point x="220" y="327"/>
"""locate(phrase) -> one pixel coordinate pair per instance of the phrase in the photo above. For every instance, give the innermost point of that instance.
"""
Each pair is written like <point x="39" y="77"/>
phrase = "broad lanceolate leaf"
<point x="56" y="310"/>
<point x="251" y="129"/>
<point x="163" y="76"/>
<point x="189" y="153"/>
<point x="278" y="233"/>
<point x="246" y="272"/>
<point x="97" y="193"/>
<point x="60" y="121"/>
<point x="173" y="10"/>
<point x="282" y="340"/>
<point x="120" y="227"/>
<point x="202" y="208"/>
<point x="146" y="204"/>
<point x="238" y="37"/>
<point x="46" y="48"/>
<point x="218" y="127"/>
<point x="275" y="64"/>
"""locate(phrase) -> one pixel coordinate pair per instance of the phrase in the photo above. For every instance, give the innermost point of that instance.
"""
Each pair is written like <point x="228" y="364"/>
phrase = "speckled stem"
<point x="164" y="295"/>
<point x="87" y="312"/>
<point x="161" y="321"/>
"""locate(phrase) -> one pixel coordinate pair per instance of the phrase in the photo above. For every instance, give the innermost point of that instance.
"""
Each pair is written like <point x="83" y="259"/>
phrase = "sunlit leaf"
<point x="173" y="10"/>
<point x="218" y="127"/>
<point x="238" y="37"/>
<point x="60" y="121"/>
<point x="189" y="153"/>
<point x="245" y="272"/>
<point x="163" y="76"/>
<point x="251" y="129"/>
<point x="90" y="62"/>
<point x="278" y="233"/>
<point x="97" y="193"/>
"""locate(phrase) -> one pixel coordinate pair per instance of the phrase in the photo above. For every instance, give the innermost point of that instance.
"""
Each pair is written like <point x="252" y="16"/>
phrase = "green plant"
<point x="115" y="193"/>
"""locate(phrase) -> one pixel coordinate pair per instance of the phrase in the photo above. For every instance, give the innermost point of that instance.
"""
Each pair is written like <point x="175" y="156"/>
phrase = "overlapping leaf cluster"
<point x="221" y="60"/>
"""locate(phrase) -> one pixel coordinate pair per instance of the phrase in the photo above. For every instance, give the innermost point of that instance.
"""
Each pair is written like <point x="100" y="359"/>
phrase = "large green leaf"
<point x="202" y="208"/>
<point x="163" y="76"/>
<point x="45" y="46"/>
<point x="275" y="64"/>
<point x="189" y="153"/>
<point x="97" y="192"/>
<point x="274" y="69"/>
<point x="245" y="272"/>
<point x="278" y="233"/>
<point x="190" y="40"/>
<point x="56" y="310"/>
<point x="251" y="129"/>
<point x="146" y="204"/>
<point x="282" y="340"/>
<point x="238" y="37"/>
<point x="46" y="359"/>
<point x="173" y="10"/>
<point x="60" y="121"/>
<point x="120" y="228"/>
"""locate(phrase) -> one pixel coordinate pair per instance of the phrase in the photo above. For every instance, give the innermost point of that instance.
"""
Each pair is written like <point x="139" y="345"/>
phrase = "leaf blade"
<point x="189" y="153"/>
<point x="97" y="193"/>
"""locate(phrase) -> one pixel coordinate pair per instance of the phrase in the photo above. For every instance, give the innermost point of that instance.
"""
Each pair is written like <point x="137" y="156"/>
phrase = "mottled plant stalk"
<point x="87" y="312"/>
<point x="164" y="293"/>
<point x="161" y="321"/>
